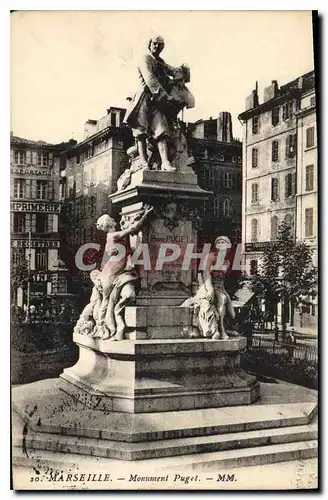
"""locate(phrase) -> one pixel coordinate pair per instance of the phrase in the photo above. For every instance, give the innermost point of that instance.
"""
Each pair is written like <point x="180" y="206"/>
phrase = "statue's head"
<point x="182" y="74"/>
<point x="106" y="223"/>
<point x="156" y="45"/>
<point x="222" y="242"/>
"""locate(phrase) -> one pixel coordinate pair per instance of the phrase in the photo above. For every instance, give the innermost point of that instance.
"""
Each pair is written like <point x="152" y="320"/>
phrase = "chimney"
<point x="300" y="82"/>
<point x="253" y="100"/>
<point x="90" y="128"/>
<point x="271" y="91"/>
<point x="224" y="127"/>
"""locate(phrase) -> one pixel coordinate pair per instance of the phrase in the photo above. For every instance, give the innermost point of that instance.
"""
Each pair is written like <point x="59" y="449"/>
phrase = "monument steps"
<point x="221" y="460"/>
<point x="168" y="448"/>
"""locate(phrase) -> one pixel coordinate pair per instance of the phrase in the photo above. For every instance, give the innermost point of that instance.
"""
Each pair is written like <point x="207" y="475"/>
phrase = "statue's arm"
<point x="134" y="228"/>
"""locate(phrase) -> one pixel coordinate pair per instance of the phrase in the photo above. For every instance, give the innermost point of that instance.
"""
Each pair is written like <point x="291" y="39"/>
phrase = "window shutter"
<point x="33" y="223"/>
<point x="284" y="108"/>
<point x="34" y="158"/>
<point x="33" y="189"/>
<point x="294" y="143"/>
<point x="272" y="189"/>
<point x="28" y="188"/>
<point x="51" y="159"/>
<point x="50" y="194"/>
<point x="28" y="223"/>
<point x="50" y="225"/>
<point x="28" y="157"/>
<point x="293" y="183"/>
<point x="286" y="186"/>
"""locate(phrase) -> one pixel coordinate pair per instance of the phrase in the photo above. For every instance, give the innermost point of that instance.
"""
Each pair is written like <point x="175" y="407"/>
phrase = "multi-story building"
<point x="218" y="163"/>
<point x="269" y="164"/>
<point x="307" y="188"/>
<point x="35" y="209"/>
<point x="90" y="173"/>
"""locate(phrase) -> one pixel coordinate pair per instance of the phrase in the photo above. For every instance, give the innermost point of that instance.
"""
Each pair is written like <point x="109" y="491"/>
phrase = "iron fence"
<point x="296" y="351"/>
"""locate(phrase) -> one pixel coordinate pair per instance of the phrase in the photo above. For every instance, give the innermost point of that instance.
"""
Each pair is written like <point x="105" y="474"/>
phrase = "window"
<point x="254" y="157"/>
<point x="310" y="137"/>
<point x="41" y="260"/>
<point x="290" y="146"/>
<point x="226" y="208"/>
<point x="274" y="228"/>
<point x="290" y="185"/>
<point x="287" y="110"/>
<point x="308" y="222"/>
<point x="41" y="223"/>
<point x="312" y="101"/>
<point x="255" y="124"/>
<point x="221" y="157"/>
<point x="234" y="159"/>
<point x="18" y="257"/>
<point x="309" y="178"/>
<point x="20" y="157"/>
<point x="274" y="189"/>
<point x="254" y="230"/>
<point x="216" y="207"/>
<point x="255" y="193"/>
<point x="41" y="190"/>
<point x="211" y="177"/>
<point x="275" y="151"/>
<point x="253" y="267"/>
<point x="275" y="116"/>
<point x="228" y="180"/>
<point x="43" y="159"/>
<point x="289" y="220"/>
<point x="19" y="188"/>
<point x="19" y="223"/>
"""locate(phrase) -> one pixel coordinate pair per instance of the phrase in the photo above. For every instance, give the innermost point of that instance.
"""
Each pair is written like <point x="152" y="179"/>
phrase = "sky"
<point x="70" y="66"/>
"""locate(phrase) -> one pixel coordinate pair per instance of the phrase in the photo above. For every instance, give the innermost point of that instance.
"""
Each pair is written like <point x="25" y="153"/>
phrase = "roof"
<point x="299" y="85"/>
<point x="20" y="140"/>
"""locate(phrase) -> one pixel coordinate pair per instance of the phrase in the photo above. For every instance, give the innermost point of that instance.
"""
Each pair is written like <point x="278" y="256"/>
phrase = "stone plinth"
<point x="175" y="197"/>
<point x="159" y="375"/>
<point x="155" y="183"/>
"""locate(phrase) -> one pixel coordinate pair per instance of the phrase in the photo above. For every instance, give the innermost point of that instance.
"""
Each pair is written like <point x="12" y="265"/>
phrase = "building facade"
<point x="307" y="190"/>
<point x="90" y="173"/>
<point x="218" y="163"/>
<point x="35" y="209"/>
<point x="270" y="160"/>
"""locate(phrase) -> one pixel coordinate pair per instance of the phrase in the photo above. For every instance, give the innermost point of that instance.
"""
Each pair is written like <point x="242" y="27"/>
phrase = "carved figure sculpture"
<point x="113" y="287"/>
<point x="211" y="303"/>
<point x="154" y="107"/>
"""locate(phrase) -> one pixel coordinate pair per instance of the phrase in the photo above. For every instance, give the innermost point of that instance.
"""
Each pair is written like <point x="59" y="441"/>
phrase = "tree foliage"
<point x="286" y="274"/>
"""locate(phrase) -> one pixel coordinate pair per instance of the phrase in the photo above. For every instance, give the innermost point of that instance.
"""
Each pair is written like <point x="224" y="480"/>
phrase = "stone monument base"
<point x="145" y="376"/>
<point x="53" y="430"/>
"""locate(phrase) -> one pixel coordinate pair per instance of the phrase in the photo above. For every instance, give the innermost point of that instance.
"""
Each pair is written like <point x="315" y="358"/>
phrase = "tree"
<point x="286" y="274"/>
<point x="18" y="271"/>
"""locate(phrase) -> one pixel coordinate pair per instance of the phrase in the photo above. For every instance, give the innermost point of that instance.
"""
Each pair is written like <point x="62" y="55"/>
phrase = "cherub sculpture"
<point x="114" y="284"/>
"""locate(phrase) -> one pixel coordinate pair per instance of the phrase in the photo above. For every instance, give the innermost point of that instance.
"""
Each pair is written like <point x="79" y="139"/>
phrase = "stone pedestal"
<point x="175" y="197"/>
<point x="146" y="376"/>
